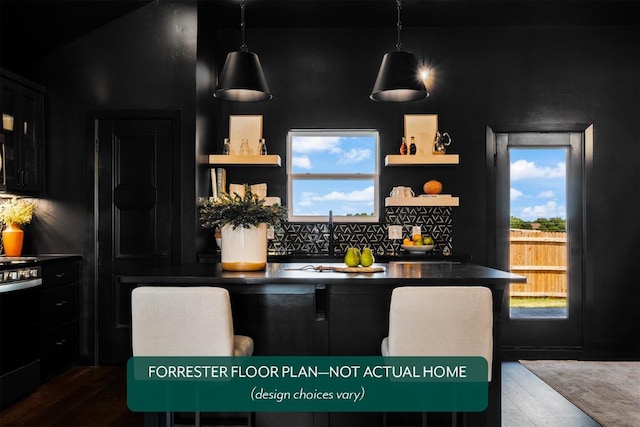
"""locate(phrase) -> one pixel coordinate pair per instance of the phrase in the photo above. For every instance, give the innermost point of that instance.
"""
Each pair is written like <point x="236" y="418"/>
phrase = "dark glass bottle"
<point x="262" y="147"/>
<point x="412" y="146"/>
<point x="403" y="146"/>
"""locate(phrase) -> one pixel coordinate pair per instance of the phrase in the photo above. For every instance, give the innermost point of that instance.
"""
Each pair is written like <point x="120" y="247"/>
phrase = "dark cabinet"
<point x="22" y="135"/>
<point x="280" y="322"/>
<point x="59" y="317"/>
<point x="358" y="320"/>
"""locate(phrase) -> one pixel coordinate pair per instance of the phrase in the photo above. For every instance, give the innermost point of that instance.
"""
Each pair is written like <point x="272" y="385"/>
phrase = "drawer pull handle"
<point x="60" y="275"/>
<point x="60" y="303"/>
<point x="61" y="342"/>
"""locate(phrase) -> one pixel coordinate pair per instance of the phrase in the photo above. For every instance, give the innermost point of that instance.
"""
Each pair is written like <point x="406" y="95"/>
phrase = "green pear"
<point x="352" y="257"/>
<point x="366" y="258"/>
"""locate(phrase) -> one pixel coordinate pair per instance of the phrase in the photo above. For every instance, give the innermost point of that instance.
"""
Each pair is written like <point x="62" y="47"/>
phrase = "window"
<point x="332" y="171"/>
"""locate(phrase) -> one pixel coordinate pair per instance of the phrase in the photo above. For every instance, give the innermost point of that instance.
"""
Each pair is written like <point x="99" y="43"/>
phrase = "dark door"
<point x="135" y="216"/>
<point x="558" y="322"/>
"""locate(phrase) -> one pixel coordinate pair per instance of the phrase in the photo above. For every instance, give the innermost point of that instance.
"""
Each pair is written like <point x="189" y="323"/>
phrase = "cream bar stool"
<point x="440" y="321"/>
<point x="185" y="321"/>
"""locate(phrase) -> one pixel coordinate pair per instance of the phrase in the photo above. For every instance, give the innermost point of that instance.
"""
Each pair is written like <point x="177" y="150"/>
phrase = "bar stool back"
<point x="185" y="321"/>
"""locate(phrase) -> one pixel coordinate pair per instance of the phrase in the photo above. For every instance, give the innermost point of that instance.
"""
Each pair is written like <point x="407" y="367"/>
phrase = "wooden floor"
<point x="95" y="397"/>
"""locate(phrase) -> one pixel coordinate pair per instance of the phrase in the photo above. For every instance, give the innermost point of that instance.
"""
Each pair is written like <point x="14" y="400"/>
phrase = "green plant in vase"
<point x="243" y="221"/>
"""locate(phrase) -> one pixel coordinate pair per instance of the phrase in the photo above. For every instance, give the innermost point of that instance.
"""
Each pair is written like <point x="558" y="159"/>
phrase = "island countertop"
<point x="395" y="273"/>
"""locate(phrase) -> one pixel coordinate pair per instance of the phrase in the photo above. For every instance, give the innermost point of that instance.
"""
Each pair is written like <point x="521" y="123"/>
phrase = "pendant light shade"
<point x="398" y="79"/>
<point x="242" y="79"/>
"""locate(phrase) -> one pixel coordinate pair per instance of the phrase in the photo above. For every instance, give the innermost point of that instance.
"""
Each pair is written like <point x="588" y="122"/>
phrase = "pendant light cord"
<point x="399" y="24"/>
<point x="243" y="4"/>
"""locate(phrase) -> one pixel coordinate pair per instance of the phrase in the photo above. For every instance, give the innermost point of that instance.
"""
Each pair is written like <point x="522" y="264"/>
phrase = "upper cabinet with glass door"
<point x="21" y="167"/>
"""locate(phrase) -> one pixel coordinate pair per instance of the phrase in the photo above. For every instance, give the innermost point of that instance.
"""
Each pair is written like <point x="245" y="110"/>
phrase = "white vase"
<point x="244" y="249"/>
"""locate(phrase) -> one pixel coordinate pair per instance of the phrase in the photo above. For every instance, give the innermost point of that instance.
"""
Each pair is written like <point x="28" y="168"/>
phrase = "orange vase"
<point x="12" y="238"/>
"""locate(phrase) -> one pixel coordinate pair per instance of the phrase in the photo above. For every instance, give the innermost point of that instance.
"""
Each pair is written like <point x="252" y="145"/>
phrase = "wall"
<point x="508" y="78"/>
<point x="143" y="61"/>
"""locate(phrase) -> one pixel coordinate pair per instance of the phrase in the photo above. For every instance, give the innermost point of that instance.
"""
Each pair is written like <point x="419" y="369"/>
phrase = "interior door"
<point x="135" y="216"/>
<point x="535" y="330"/>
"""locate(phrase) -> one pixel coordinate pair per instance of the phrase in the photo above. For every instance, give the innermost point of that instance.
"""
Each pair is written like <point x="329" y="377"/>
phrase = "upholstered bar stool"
<point x="440" y="321"/>
<point x="185" y="321"/>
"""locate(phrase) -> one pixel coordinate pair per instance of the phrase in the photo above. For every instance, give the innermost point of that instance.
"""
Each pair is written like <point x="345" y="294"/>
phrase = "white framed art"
<point x="423" y="128"/>
<point x="247" y="127"/>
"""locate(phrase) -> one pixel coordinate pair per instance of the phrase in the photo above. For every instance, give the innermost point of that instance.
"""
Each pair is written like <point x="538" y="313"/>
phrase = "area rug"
<point x="609" y="392"/>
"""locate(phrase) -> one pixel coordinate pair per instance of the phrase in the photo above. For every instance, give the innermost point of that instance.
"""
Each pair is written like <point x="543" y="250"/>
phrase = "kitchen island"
<point x="293" y="309"/>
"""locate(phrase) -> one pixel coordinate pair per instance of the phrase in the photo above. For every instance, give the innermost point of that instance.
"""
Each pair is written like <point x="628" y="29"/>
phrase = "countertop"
<point x="395" y="272"/>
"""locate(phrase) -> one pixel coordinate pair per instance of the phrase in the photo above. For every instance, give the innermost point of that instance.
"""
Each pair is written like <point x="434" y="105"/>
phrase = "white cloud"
<point x="352" y="196"/>
<point x="548" y="210"/>
<point x="522" y="169"/>
<point x="311" y="144"/>
<point x="354" y="155"/>
<point x="302" y="162"/>
<point x="515" y="193"/>
<point x="546" y="194"/>
<point x="309" y="199"/>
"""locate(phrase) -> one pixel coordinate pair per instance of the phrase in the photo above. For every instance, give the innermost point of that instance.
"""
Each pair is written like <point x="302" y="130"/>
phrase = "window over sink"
<point x="333" y="171"/>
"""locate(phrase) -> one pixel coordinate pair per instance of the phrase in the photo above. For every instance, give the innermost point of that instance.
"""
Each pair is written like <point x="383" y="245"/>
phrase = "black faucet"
<point x="330" y="233"/>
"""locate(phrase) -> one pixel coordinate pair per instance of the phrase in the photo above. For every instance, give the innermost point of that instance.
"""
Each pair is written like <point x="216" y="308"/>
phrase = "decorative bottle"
<point x="403" y="146"/>
<point x="262" y="147"/>
<point x="412" y="146"/>
<point x="244" y="148"/>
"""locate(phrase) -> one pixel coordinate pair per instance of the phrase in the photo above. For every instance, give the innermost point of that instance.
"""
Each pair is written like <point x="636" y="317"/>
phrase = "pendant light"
<point x="399" y="78"/>
<point x="242" y="78"/>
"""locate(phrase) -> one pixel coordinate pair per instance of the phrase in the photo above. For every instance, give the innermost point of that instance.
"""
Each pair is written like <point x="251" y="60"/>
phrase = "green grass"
<point x="538" y="302"/>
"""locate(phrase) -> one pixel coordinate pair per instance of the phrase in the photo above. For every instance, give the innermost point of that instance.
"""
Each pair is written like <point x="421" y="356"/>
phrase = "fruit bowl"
<point x="417" y="249"/>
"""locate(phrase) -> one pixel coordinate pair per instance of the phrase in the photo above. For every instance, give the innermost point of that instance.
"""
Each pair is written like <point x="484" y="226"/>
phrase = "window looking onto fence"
<point x="538" y="239"/>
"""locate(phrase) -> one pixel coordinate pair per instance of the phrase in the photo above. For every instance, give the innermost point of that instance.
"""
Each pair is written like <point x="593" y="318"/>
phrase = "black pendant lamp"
<point x="242" y="78"/>
<point x="399" y="77"/>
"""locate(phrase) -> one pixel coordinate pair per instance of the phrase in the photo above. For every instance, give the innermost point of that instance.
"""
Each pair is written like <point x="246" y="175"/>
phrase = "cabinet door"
<point x="358" y="321"/>
<point x="22" y="129"/>
<point x="10" y="95"/>
<point x="29" y="175"/>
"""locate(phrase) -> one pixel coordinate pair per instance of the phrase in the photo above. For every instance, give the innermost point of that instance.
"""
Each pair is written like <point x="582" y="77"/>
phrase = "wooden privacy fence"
<point x="541" y="256"/>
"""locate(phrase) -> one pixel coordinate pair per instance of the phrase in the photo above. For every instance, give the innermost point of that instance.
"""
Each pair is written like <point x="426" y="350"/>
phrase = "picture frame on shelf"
<point x="247" y="127"/>
<point x="423" y="127"/>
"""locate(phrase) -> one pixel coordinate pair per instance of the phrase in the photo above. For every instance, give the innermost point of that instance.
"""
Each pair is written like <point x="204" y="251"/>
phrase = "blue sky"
<point x="538" y="183"/>
<point x="338" y="155"/>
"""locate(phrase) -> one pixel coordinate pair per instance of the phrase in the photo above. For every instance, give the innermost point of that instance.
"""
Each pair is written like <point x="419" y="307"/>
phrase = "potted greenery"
<point x="14" y="213"/>
<point x="243" y="222"/>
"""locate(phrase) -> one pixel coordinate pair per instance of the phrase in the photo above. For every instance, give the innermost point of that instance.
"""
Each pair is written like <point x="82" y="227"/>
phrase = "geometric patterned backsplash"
<point x="302" y="238"/>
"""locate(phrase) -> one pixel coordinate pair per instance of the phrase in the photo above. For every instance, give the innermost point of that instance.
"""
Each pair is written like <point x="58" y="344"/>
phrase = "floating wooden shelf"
<point x="437" y="200"/>
<point x="407" y="160"/>
<point x="250" y="160"/>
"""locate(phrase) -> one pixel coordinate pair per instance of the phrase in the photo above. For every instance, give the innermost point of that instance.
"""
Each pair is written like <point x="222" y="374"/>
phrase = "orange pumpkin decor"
<point x="432" y="187"/>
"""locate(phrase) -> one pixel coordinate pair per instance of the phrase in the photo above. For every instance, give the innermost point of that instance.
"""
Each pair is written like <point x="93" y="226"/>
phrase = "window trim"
<point x="375" y="175"/>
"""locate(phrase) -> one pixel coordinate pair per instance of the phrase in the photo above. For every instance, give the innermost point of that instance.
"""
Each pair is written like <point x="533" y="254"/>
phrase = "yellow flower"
<point x="18" y="211"/>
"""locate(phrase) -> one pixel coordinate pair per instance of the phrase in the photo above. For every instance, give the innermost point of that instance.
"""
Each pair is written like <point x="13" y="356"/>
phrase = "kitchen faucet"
<point x="330" y="225"/>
